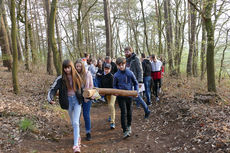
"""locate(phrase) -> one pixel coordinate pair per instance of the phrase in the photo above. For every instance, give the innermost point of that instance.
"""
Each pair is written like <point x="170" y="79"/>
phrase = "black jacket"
<point x="60" y="85"/>
<point x="134" y="64"/>
<point x="107" y="81"/>
<point x="147" y="67"/>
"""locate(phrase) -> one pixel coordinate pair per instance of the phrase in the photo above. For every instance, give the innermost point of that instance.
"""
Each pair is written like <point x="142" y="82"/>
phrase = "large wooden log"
<point x="109" y="91"/>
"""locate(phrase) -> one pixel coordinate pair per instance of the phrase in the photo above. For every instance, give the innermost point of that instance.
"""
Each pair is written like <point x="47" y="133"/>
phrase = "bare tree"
<point x="107" y="27"/>
<point x="4" y="42"/>
<point x="14" y="46"/>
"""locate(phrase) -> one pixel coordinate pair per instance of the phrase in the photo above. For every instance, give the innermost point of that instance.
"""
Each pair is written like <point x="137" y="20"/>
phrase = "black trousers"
<point x="125" y="104"/>
<point x="157" y="85"/>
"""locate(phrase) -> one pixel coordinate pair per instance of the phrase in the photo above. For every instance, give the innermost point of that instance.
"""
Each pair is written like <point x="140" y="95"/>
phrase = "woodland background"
<point x="192" y="36"/>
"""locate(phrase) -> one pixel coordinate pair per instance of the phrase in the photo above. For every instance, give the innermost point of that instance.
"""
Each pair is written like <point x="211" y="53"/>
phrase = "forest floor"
<point x="187" y="119"/>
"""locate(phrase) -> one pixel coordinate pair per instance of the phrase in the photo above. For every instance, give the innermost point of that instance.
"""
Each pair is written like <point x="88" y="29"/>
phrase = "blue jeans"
<point x="142" y="102"/>
<point x="95" y="83"/>
<point x="86" y="114"/>
<point x="147" y="83"/>
<point x="74" y="114"/>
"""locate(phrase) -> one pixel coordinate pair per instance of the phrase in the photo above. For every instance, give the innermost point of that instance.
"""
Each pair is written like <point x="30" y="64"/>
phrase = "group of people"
<point x="126" y="73"/>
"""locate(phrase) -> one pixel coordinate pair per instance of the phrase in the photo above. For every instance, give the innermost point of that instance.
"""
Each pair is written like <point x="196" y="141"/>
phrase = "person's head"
<point x="99" y="63"/>
<point x="86" y="55"/>
<point x="107" y="59"/>
<point x="128" y="51"/>
<point x="94" y="62"/>
<point x="142" y="56"/>
<point x="80" y="67"/>
<point x="69" y="69"/>
<point x="121" y="63"/>
<point x="107" y="68"/>
<point x="154" y="58"/>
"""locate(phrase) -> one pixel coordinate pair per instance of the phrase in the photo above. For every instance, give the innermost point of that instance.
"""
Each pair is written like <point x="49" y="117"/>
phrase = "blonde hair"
<point x="83" y="70"/>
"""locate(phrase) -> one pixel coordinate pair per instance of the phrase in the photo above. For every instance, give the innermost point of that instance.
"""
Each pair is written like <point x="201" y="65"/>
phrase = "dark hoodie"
<point x="147" y="68"/>
<point x="133" y="63"/>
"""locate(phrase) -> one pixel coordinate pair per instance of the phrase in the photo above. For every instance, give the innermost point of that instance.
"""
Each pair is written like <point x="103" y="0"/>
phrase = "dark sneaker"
<point x="112" y="126"/>
<point x="149" y="104"/>
<point x="147" y="115"/>
<point x="109" y="119"/>
<point x="88" y="137"/>
<point x="126" y="134"/>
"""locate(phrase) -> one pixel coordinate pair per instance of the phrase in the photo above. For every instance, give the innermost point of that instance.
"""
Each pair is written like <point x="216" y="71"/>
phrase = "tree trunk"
<point x="203" y="50"/>
<point x="57" y="62"/>
<point x="14" y="46"/>
<point x="49" y="53"/>
<point x="58" y="40"/>
<point x="210" y="46"/>
<point x="26" y="39"/>
<point x="109" y="91"/>
<point x="159" y="25"/>
<point x="222" y="59"/>
<point x="192" y="35"/>
<point x="5" y="47"/>
<point x="7" y="27"/>
<point x="168" y="33"/>
<point x="107" y="27"/>
<point x="145" y="28"/>
<point x="32" y="44"/>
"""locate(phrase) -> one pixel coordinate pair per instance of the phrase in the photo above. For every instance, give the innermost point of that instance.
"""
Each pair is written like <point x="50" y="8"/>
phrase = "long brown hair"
<point x="75" y="76"/>
<point x="83" y="71"/>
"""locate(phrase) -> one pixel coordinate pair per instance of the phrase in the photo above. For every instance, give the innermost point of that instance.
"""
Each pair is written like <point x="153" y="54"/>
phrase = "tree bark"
<point x="145" y="27"/>
<point x="107" y="28"/>
<point x="49" y="53"/>
<point x="203" y="50"/>
<point x="58" y="40"/>
<point x="5" y="47"/>
<point x="109" y="91"/>
<point x="192" y="35"/>
<point x="210" y="46"/>
<point x="32" y="44"/>
<point x="57" y="62"/>
<point x="14" y="46"/>
<point x="26" y="39"/>
<point x="223" y="55"/>
<point x="159" y="25"/>
<point x="169" y="36"/>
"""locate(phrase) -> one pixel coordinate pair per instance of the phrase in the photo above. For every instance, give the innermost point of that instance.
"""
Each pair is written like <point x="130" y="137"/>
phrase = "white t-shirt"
<point x="156" y="66"/>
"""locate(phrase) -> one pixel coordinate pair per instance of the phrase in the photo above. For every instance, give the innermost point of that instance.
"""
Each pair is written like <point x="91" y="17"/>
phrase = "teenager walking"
<point x="70" y="97"/>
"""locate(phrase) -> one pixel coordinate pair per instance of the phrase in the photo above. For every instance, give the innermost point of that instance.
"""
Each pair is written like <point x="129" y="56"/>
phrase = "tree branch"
<point x="89" y="10"/>
<point x="196" y="8"/>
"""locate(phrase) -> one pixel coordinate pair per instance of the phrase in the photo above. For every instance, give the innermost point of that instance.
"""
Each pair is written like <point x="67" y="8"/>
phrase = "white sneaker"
<point x="157" y="99"/>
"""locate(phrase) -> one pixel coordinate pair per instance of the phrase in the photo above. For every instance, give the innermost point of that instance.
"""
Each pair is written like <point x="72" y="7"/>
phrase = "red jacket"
<point x="157" y="74"/>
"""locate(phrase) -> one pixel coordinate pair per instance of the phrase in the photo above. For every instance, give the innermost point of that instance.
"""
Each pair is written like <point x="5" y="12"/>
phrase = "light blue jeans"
<point x="74" y="114"/>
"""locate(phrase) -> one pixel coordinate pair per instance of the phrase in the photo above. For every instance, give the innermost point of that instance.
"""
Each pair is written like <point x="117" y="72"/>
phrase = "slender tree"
<point x="57" y="62"/>
<point x="14" y="46"/>
<point x="145" y="27"/>
<point x="4" y="43"/>
<point x="107" y="27"/>
<point x="49" y="53"/>
<point x="169" y="36"/>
